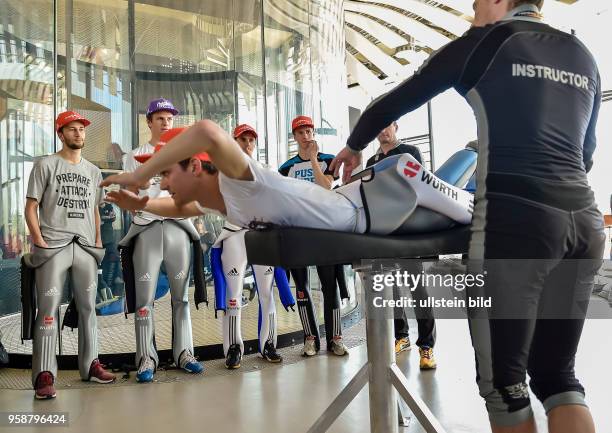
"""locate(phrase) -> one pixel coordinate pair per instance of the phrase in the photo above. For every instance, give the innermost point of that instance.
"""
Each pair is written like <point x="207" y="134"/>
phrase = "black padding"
<point x="292" y="247"/>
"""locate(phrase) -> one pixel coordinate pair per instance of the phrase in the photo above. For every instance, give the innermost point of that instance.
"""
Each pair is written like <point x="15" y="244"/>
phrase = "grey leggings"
<point x="50" y="279"/>
<point x="166" y="243"/>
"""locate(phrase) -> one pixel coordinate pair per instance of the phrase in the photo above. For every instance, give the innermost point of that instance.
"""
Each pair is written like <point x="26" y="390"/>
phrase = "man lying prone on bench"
<point x="204" y="170"/>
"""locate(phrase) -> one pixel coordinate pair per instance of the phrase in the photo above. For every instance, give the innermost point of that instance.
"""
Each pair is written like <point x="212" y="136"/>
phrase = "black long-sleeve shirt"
<point x="535" y="91"/>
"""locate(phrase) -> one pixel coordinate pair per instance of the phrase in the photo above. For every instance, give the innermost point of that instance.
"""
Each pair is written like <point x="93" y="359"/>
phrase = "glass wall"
<point x="260" y="62"/>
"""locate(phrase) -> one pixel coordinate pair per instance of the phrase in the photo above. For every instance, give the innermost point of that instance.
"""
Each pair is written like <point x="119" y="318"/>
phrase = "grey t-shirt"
<point x="67" y="195"/>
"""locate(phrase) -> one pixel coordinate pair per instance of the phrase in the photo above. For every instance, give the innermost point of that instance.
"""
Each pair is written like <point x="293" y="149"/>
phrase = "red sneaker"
<point x="98" y="374"/>
<point x="44" y="388"/>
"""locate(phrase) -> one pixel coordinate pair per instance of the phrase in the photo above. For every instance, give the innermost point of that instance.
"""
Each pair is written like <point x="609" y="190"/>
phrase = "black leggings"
<point x="540" y="264"/>
<point x="329" y="277"/>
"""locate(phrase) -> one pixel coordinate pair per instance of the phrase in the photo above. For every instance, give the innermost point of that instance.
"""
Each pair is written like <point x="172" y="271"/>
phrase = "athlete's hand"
<point x="350" y="160"/>
<point x="128" y="180"/>
<point x="127" y="200"/>
<point x="313" y="150"/>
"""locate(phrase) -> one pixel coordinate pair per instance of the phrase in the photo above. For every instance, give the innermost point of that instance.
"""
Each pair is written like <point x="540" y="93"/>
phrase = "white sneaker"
<point x="338" y="348"/>
<point x="310" y="347"/>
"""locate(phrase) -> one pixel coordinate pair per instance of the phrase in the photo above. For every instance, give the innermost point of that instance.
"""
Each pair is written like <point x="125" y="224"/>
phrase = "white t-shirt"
<point x="154" y="191"/>
<point x="273" y="198"/>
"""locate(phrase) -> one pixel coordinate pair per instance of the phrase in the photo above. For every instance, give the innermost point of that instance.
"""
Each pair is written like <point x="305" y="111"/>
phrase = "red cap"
<point x="66" y="117"/>
<point x="165" y="138"/>
<point x="243" y="129"/>
<point x="301" y="121"/>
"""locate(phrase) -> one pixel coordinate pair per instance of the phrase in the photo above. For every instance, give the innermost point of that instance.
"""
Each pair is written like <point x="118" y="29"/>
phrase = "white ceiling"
<point x="387" y="40"/>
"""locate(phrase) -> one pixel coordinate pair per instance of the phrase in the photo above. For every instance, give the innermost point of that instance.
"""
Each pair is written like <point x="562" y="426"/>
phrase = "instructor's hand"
<point x="349" y="159"/>
<point x="128" y="180"/>
<point x="127" y="200"/>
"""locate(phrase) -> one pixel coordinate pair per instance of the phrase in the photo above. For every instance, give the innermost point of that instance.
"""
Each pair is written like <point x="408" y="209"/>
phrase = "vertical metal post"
<point x="69" y="36"/>
<point x="55" y="72"/>
<point x="265" y="83"/>
<point x="431" y="138"/>
<point x="132" y="66"/>
<point x="379" y="337"/>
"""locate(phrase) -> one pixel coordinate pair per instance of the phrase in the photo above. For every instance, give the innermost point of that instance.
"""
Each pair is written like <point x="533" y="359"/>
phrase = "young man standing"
<point x="229" y="263"/>
<point x="155" y="240"/>
<point x="389" y="146"/>
<point x="311" y="165"/>
<point x="62" y="215"/>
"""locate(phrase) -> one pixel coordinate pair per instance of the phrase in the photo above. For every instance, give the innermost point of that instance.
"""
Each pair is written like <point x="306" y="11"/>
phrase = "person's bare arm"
<point x="98" y="234"/>
<point x="321" y="179"/>
<point x="203" y="136"/>
<point x="163" y="206"/>
<point x="31" y="216"/>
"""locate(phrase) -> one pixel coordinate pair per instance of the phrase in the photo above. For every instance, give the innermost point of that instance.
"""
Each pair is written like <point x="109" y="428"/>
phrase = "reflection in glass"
<point x="260" y="62"/>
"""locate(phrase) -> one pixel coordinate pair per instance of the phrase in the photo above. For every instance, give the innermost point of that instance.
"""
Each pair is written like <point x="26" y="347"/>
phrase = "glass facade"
<point x="260" y="62"/>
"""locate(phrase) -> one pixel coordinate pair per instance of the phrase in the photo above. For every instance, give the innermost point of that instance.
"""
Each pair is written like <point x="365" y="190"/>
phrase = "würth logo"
<point x="233" y="303"/>
<point x="143" y="312"/>
<point x="411" y="169"/>
<point x="48" y="320"/>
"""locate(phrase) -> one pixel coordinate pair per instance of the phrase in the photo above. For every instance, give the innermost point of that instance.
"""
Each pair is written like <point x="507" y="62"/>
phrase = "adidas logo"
<point x="269" y="271"/>
<point x="91" y="287"/>
<point x="180" y="275"/>
<point x="233" y="273"/>
<point x="52" y="291"/>
<point x="145" y="277"/>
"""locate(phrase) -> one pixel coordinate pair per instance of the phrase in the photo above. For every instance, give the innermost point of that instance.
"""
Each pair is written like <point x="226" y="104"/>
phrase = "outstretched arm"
<point x="203" y="136"/>
<point x="164" y="206"/>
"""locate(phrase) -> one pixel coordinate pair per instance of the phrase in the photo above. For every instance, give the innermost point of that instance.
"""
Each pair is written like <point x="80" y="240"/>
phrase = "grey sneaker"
<point x="310" y="347"/>
<point x="337" y="347"/>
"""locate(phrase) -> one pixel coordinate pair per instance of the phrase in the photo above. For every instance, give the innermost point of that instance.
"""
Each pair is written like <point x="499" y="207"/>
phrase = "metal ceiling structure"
<point x="387" y="40"/>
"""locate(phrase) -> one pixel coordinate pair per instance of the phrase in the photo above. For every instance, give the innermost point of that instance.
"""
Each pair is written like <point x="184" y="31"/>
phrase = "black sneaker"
<point x="232" y="361"/>
<point x="270" y="354"/>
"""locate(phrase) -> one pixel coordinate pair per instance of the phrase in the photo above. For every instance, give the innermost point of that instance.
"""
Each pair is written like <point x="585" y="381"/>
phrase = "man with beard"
<point x="62" y="216"/>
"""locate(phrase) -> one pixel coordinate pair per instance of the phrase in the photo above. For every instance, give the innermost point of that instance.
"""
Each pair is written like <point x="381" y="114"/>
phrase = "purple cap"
<point x="161" y="104"/>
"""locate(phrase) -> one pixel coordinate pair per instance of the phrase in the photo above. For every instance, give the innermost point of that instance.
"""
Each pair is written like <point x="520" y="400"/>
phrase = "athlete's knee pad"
<point x="509" y="406"/>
